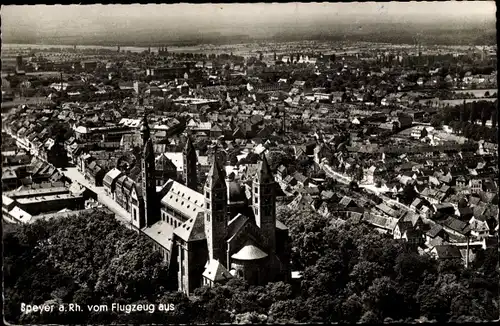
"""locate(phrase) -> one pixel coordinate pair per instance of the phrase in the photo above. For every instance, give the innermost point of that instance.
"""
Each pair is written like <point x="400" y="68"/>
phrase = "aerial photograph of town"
<point x="250" y="163"/>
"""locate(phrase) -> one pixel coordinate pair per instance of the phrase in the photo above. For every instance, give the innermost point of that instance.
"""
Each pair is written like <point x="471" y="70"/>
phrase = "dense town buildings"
<point x="199" y="151"/>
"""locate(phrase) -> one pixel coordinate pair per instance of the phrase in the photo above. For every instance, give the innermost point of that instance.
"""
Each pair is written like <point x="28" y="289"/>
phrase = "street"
<point x="73" y="174"/>
<point x="335" y="175"/>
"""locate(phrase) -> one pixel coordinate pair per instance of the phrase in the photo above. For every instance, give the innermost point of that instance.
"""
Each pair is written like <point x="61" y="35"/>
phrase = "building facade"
<point x="230" y="230"/>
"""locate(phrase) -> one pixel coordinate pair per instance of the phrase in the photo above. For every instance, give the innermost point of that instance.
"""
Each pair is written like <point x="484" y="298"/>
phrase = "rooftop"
<point x="47" y="198"/>
<point x="25" y="193"/>
<point x="215" y="271"/>
<point x="184" y="200"/>
<point x="249" y="252"/>
<point x="192" y="229"/>
<point x="161" y="232"/>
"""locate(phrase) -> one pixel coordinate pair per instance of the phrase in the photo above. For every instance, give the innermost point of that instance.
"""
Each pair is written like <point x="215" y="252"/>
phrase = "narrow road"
<point x="335" y="175"/>
<point x="76" y="176"/>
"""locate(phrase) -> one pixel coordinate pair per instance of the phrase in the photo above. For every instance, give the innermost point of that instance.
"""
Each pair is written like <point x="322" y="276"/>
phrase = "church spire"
<point x="189" y="145"/>
<point x="264" y="202"/>
<point x="190" y="164"/>
<point x="216" y="213"/>
<point x="264" y="171"/>
<point x="146" y="134"/>
<point x="215" y="175"/>
<point x="151" y="207"/>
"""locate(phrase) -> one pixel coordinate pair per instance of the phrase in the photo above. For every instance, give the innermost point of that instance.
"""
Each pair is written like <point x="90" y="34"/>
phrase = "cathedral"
<point x="229" y="230"/>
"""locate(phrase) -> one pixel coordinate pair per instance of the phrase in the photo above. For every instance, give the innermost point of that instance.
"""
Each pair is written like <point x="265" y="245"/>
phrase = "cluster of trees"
<point x="354" y="274"/>
<point x="472" y="112"/>
<point x="446" y="95"/>
<point x="350" y="274"/>
<point x="90" y="259"/>
<point x="464" y="117"/>
<point x="475" y="132"/>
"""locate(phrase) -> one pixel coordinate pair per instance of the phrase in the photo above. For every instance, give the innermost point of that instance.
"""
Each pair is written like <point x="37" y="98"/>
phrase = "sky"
<point x="251" y="19"/>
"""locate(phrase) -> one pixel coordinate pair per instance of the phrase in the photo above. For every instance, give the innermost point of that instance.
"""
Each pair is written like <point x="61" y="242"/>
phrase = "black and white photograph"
<point x="250" y="163"/>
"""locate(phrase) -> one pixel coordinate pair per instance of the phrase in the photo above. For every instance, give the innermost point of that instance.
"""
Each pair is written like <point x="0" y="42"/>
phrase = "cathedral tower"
<point x="216" y="213"/>
<point x="151" y="204"/>
<point x="264" y="202"/>
<point x="189" y="165"/>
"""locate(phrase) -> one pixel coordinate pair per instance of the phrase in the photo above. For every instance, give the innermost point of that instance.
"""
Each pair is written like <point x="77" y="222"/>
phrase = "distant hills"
<point x="397" y="33"/>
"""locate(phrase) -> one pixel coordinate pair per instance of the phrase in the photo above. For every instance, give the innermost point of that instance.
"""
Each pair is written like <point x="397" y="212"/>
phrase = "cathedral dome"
<point x="235" y="192"/>
<point x="249" y="252"/>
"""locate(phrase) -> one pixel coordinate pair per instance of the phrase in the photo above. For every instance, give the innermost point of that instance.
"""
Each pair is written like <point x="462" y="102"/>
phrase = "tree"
<point x="383" y="298"/>
<point x="358" y="174"/>
<point x="325" y="308"/>
<point x="494" y="118"/>
<point x="473" y="113"/>
<point x="289" y="311"/>
<point x="436" y="120"/>
<point x="279" y="291"/>
<point x="250" y="318"/>
<point x="277" y="158"/>
<point x="352" y="309"/>
<point x="363" y="274"/>
<point x="462" y="112"/>
<point x="370" y="317"/>
<point x="432" y="305"/>
<point x="353" y="185"/>
<point x="408" y="194"/>
<point x="251" y="158"/>
<point x="484" y="115"/>
<point x="327" y="276"/>
<point x="89" y="258"/>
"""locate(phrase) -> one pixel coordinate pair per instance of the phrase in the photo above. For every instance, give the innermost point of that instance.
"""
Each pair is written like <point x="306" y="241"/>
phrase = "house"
<point x="384" y="208"/>
<point x="327" y="195"/>
<point x="290" y="181"/>
<point x="401" y="227"/>
<point x="475" y="185"/>
<point x="413" y="237"/>
<point x="281" y="172"/>
<point x="369" y="174"/>
<point x="442" y="252"/>
<point x="460" y="181"/>
<point x="419" y="132"/>
<point x="445" y="208"/>
<point x="302" y="202"/>
<point x="433" y="196"/>
<point x="479" y="227"/>
<point x="465" y="213"/>
<point x="416" y="204"/>
<point x="415" y="219"/>
<point x="337" y="97"/>
<point x="312" y="191"/>
<point x="95" y="173"/>
<point x="109" y="181"/>
<point x="321" y="151"/>
<point x="299" y="84"/>
<point x="302" y="180"/>
<point x="347" y="202"/>
<point x="379" y="222"/>
<point x="456" y="227"/>
<point x="324" y="210"/>
<point x="435" y="236"/>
